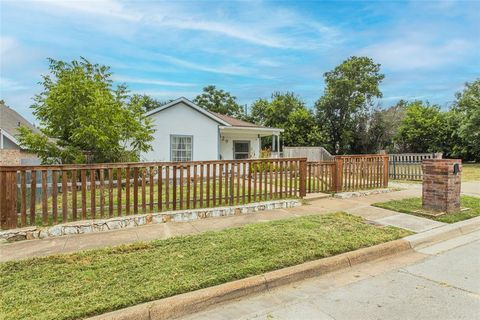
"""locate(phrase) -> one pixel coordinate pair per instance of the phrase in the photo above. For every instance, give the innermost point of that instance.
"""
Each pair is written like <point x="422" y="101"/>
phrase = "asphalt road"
<point x="438" y="282"/>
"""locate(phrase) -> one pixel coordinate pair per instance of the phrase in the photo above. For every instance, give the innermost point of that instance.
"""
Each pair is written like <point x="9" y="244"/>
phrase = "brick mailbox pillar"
<point x="441" y="184"/>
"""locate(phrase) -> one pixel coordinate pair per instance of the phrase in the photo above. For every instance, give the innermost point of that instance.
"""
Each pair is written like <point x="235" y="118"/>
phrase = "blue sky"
<point x="428" y="49"/>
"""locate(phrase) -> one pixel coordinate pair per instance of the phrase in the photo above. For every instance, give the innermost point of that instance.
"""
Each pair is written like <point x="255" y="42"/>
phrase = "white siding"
<point x="226" y="144"/>
<point x="181" y="119"/>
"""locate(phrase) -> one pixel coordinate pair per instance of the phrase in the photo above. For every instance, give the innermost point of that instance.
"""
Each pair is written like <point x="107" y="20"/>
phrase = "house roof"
<point x="234" y="122"/>
<point x="11" y="120"/>
<point x="224" y="120"/>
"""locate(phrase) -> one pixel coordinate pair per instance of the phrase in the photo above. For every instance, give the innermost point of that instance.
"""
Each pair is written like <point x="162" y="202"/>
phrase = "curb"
<point x="443" y="233"/>
<point x="191" y="302"/>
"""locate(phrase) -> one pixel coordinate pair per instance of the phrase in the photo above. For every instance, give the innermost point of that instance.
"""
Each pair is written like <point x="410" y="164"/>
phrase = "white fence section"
<point x="408" y="166"/>
<point x="311" y="153"/>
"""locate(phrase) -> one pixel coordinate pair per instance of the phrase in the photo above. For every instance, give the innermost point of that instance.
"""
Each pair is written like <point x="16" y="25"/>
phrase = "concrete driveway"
<point x="438" y="282"/>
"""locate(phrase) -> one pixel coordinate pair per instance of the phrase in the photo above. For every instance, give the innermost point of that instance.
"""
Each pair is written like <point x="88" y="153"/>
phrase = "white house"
<point x="187" y="132"/>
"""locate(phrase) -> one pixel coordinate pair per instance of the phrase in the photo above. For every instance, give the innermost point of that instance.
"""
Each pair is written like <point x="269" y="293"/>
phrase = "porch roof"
<point x="260" y="131"/>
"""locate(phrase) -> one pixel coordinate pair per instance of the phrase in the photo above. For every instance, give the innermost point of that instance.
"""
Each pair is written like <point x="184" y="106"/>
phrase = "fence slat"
<point x="23" y="205"/>
<point x="101" y="190"/>
<point x="110" y="192"/>
<point x="74" y="194"/>
<point x="54" y="197"/>
<point x="84" y="193"/>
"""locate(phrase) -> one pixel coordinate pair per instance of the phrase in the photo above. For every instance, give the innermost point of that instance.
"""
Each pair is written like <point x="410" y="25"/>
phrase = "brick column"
<point x="441" y="184"/>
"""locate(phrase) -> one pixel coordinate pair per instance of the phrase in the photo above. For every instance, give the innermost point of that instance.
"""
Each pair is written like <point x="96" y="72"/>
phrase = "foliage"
<point x="350" y="90"/>
<point x="423" y="128"/>
<point x="148" y="103"/>
<point x="83" y="284"/>
<point x="219" y="101"/>
<point x="287" y="111"/>
<point x="465" y="116"/>
<point x="82" y="116"/>
<point x="375" y="130"/>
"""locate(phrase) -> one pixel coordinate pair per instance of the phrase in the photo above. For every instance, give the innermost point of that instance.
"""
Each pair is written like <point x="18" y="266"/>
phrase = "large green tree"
<point x="465" y="118"/>
<point x="84" y="117"/>
<point x="287" y="111"/>
<point x="423" y="129"/>
<point x="350" y="90"/>
<point x="148" y="103"/>
<point x="220" y="101"/>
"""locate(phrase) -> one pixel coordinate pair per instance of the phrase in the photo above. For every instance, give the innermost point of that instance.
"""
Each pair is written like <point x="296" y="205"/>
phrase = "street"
<point x="437" y="282"/>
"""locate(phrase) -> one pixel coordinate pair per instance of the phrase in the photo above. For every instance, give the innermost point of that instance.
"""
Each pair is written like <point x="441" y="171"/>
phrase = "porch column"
<point x="273" y="143"/>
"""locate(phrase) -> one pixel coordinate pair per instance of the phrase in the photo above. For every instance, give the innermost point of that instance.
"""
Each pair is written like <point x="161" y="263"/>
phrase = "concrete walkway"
<point x="357" y="206"/>
<point x="438" y="282"/>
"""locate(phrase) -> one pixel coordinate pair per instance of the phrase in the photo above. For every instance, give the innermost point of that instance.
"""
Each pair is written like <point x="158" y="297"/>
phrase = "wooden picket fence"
<point x="47" y="195"/>
<point x="62" y="193"/>
<point x="408" y="166"/>
<point x="348" y="173"/>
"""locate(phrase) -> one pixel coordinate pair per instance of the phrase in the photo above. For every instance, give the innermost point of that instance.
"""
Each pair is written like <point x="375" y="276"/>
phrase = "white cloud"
<point x="411" y="53"/>
<point x="10" y="85"/>
<point x="152" y="81"/>
<point x="267" y="26"/>
<point x="103" y="8"/>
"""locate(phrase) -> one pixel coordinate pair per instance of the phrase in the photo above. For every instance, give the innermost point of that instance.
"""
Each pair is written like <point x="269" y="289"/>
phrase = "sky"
<point x="168" y="49"/>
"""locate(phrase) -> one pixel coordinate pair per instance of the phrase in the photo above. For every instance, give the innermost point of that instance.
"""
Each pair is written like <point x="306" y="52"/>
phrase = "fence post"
<point x="8" y="199"/>
<point x="303" y="177"/>
<point x="385" y="171"/>
<point x="338" y="174"/>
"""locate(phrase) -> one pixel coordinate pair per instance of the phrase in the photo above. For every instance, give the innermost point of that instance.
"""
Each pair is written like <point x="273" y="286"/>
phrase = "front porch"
<point x="236" y="143"/>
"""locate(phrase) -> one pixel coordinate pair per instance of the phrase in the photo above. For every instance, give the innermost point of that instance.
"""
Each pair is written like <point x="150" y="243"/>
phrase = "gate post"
<point x="8" y="198"/>
<point x="338" y="174"/>
<point x="303" y="178"/>
<point x="385" y="171"/>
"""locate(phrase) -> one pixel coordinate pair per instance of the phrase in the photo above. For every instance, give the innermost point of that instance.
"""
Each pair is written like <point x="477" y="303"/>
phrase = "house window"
<point x="181" y="148"/>
<point x="241" y="150"/>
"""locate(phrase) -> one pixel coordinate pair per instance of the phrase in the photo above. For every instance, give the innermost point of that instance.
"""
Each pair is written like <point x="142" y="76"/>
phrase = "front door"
<point x="241" y="150"/>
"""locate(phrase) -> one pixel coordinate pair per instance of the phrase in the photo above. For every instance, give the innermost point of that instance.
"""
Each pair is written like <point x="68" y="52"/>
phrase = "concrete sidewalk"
<point x="357" y="206"/>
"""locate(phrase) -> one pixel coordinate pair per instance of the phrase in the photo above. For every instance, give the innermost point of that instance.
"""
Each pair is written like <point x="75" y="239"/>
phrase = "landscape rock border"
<point x="363" y="193"/>
<point x="99" y="225"/>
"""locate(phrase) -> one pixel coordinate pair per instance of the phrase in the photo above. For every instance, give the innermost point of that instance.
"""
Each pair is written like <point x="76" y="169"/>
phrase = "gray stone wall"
<point x="99" y="225"/>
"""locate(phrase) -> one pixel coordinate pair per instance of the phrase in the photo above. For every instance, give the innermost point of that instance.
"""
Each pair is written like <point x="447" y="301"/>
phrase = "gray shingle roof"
<point x="10" y="120"/>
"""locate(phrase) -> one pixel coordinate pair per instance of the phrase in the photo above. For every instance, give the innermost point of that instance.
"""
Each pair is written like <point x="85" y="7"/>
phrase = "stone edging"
<point x="191" y="302"/>
<point x="99" y="225"/>
<point x="356" y="194"/>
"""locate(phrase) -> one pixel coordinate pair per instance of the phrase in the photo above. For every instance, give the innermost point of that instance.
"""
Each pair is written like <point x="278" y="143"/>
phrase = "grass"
<point x="471" y="172"/>
<point x="93" y="282"/>
<point x="412" y="204"/>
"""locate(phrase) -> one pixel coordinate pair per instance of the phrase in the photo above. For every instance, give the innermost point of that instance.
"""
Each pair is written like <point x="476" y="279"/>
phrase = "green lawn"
<point x="93" y="282"/>
<point x="471" y="172"/>
<point x="412" y="204"/>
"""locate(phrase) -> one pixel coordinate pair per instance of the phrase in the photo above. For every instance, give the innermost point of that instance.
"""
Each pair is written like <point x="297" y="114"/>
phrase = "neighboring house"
<point x="10" y="151"/>
<point x="187" y="132"/>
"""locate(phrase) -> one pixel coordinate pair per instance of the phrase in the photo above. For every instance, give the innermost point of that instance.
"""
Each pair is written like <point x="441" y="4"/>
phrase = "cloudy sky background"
<point x="428" y="49"/>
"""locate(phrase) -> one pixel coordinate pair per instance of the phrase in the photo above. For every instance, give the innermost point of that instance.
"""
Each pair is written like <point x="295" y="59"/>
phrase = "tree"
<point x="301" y="129"/>
<point x="465" y="117"/>
<point x="287" y="111"/>
<point x="423" y="129"/>
<point x="219" y="101"/>
<point x="382" y="128"/>
<point x="81" y="113"/>
<point x="148" y="103"/>
<point x="349" y="91"/>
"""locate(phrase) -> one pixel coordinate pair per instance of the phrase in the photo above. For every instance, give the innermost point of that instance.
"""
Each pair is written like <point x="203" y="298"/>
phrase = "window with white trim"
<point x="181" y="148"/>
